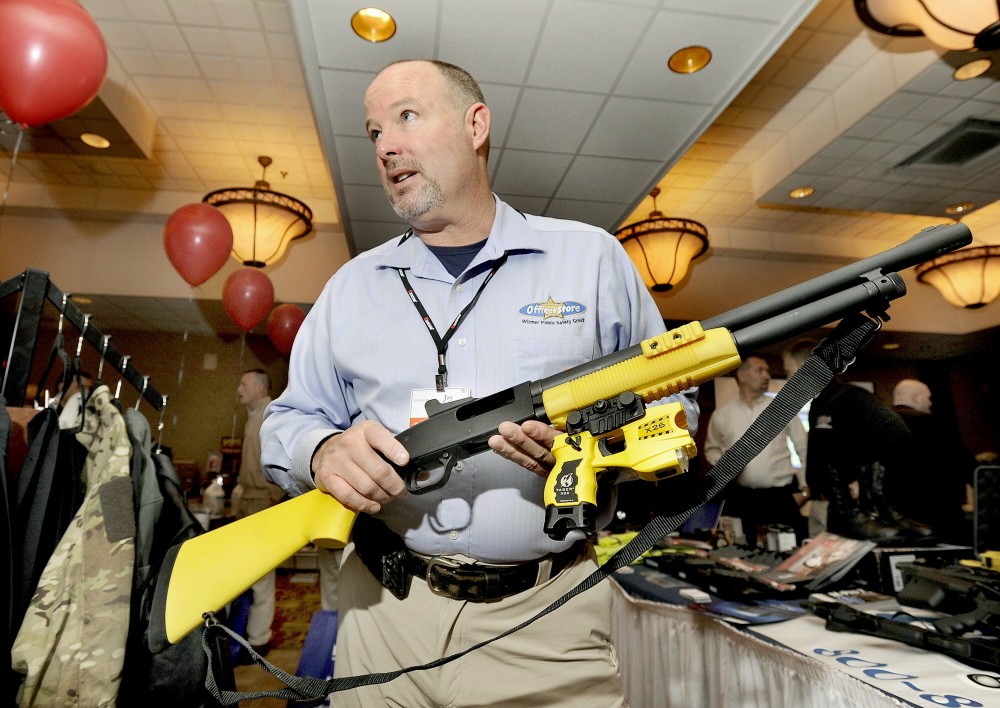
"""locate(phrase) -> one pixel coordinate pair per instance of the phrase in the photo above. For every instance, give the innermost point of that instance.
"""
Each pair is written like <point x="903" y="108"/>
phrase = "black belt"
<point x="392" y="564"/>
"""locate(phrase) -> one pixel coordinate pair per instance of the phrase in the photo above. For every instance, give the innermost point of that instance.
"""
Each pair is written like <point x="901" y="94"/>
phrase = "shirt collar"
<point x="510" y="232"/>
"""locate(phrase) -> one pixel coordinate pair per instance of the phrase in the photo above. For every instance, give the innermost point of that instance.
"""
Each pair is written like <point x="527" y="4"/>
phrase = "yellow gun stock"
<point x="212" y="569"/>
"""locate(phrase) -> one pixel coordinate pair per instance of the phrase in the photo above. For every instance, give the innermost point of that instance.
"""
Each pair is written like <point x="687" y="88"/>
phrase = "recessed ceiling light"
<point x="801" y="192"/>
<point x="373" y="24"/>
<point x="959" y="208"/>
<point x="972" y="69"/>
<point x="890" y="345"/>
<point x="689" y="60"/>
<point x="95" y="141"/>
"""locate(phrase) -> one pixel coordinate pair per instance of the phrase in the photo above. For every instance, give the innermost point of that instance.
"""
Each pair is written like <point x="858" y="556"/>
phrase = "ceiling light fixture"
<point x="973" y="24"/>
<point x="972" y="69"/>
<point x="373" y="24"/>
<point x="662" y="248"/>
<point x="689" y="60"/>
<point x="959" y="208"/>
<point x="264" y="222"/>
<point x="968" y="277"/>
<point x="801" y="192"/>
<point x="95" y="141"/>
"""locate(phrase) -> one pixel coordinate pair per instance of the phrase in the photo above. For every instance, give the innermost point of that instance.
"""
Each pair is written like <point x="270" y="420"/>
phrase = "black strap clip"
<point x="395" y="577"/>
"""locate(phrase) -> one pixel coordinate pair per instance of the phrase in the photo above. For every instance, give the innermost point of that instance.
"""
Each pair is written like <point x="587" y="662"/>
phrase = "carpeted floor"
<point x="296" y="599"/>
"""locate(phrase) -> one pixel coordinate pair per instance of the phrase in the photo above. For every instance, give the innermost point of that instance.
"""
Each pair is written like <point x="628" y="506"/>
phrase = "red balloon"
<point x="198" y="239"/>
<point x="52" y="59"/>
<point x="247" y="296"/>
<point x="283" y="324"/>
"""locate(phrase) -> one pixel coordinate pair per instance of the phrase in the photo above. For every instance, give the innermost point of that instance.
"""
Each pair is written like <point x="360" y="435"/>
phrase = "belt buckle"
<point x="438" y="581"/>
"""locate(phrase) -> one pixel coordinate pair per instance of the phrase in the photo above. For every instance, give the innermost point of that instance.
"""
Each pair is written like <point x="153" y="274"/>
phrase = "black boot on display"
<point x="846" y="518"/>
<point x="874" y="499"/>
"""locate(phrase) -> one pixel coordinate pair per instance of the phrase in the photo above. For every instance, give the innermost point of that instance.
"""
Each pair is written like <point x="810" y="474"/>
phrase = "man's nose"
<point x="385" y="149"/>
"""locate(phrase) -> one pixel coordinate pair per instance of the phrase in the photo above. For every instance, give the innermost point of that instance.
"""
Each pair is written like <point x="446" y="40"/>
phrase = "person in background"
<point x="255" y="493"/>
<point x="328" y="564"/>
<point x="475" y="298"/>
<point x="768" y="491"/>
<point x="854" y="439"/>
<point x="936" y="477"/>
<point x="792" y="359"/>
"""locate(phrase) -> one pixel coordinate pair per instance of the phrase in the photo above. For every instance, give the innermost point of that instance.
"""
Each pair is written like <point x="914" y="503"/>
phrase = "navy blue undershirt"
<point x="455" y="259"/>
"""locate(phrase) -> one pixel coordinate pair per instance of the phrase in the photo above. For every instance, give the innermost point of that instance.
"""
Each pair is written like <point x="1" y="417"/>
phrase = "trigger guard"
<point x="427" y="480"/>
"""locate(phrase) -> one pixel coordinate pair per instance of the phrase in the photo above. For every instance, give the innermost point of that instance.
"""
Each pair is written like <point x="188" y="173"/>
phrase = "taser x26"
<point x="601" y="405"/>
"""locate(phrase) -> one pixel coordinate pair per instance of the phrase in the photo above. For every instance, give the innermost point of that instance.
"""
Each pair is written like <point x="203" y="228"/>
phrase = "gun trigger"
<point x="427" y="480"/>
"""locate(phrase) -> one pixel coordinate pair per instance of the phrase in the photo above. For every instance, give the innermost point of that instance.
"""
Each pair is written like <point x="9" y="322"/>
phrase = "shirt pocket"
<point x="538" y="357"/>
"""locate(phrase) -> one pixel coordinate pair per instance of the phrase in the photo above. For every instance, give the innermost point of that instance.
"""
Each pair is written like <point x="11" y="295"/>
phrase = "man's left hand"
<point x="528" y="444"/>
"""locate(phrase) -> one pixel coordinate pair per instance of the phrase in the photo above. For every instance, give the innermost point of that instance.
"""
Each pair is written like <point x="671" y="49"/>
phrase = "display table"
<point x="672" y="656"/>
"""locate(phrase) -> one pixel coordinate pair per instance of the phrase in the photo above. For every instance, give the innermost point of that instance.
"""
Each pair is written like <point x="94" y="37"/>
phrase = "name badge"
<point x="420" y="396"/>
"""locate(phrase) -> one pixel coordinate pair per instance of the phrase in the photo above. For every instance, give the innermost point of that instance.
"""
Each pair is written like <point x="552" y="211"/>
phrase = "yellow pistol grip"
<point x="571" y="489"/>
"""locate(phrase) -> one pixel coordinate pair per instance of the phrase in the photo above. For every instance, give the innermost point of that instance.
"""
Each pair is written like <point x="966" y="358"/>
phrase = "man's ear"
<point x="478" y="122"/>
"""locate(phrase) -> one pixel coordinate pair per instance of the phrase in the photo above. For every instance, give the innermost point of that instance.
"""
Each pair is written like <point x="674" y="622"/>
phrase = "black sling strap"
<point x="7" y="551"/>
<point x="833" y="356"/>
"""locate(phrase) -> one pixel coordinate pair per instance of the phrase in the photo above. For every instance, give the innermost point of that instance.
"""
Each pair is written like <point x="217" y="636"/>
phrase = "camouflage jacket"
<point x="71" y="645"/>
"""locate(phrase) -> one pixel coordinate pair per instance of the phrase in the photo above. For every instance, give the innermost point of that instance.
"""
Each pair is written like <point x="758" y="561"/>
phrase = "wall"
<point x="202" y="405"/>
<point x="126" y="257"/>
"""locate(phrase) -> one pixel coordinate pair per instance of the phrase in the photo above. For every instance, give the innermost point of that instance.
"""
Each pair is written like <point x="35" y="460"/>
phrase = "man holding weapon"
<point x="567" y="335"/>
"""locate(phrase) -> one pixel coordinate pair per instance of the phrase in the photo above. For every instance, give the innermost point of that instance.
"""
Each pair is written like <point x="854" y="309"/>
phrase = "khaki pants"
<point x="564" y="659"/>
<point x="261" y="611"/>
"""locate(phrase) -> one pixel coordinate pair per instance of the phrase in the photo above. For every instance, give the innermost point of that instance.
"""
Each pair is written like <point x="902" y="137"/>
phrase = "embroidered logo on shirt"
<point x="552" y="309"/>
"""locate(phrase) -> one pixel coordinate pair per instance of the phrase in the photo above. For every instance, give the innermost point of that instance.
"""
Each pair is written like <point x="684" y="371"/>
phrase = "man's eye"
<point x="407" y="115"/>
<point x="374" y="135"/>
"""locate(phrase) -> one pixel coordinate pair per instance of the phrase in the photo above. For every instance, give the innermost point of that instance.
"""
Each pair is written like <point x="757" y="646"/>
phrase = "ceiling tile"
<point x="530" y="173"/>
<point x="369" y="203"/>
<point x="732" y="43"/>
<point x="194" y="12"/>
<point x="535" y="129"/>
<point x="608" y="179"/>
<point x="653" y="129"/>
<point x="587" y="211"/>
<point x="580" y="48"/>
<point x="501" y="54"/>
<point x="356" y="159"/>
<point x="338" y="47"/>
<point x="243" y="14"/>
<point x="344" y="91"/>
<point x="162" y="37"/>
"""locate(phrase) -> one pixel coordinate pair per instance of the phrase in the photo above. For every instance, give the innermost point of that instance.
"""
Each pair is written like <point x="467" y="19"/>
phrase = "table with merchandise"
<point x="691" y="631"/>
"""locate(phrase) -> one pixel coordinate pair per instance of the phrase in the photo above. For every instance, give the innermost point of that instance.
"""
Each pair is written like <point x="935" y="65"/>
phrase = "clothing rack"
<point x="35" y="288"/>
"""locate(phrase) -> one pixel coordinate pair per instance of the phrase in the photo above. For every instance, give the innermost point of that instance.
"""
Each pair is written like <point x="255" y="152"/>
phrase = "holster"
<point x="383" y="553"/>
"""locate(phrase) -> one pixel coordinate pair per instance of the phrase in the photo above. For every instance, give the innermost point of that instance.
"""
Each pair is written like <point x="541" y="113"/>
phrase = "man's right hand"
<point x="351" y="468"/>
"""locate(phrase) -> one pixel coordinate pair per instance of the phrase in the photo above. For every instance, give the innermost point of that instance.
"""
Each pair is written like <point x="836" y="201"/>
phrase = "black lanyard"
<point x="441" y="379"/>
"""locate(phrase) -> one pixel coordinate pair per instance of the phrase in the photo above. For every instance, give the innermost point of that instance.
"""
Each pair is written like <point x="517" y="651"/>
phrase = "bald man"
<point x="931" y="485"/>
<point x="913" y="394"/>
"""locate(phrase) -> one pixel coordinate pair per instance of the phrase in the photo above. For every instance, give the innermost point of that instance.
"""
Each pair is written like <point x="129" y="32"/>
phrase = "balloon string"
<point x="10" y="174"/>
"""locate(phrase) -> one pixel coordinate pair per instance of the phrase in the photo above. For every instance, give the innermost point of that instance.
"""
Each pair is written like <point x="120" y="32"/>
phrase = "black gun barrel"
<point x="922" y="246"/>
<point x="870" y="295"/>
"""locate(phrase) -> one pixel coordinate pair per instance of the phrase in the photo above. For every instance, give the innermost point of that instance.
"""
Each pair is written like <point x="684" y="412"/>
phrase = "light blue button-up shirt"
<point x="364" y="348"/>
